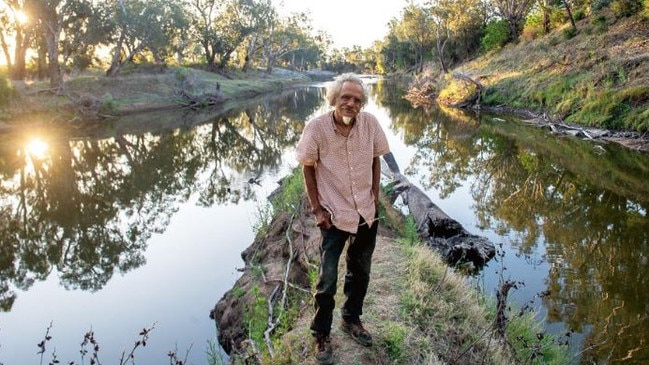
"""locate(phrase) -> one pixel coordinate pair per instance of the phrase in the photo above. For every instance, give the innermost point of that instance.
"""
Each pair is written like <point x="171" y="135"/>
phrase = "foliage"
<point x="625" y="8"/>
<point x="291" y="191"/>
<point x="6" y="90"/>
<point x="496" y="35"/>
<point x="255" y="316"/>
<point x="569" y="33"/>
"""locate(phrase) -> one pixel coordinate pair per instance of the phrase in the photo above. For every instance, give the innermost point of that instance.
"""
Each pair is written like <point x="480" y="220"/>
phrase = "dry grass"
<point x="144" y="90"/>
<point x="585" y="79"/>
<point x="418" y="310"/>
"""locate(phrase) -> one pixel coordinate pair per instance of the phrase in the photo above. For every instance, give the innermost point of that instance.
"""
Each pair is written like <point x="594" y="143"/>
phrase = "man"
<point x="340" y="152"/>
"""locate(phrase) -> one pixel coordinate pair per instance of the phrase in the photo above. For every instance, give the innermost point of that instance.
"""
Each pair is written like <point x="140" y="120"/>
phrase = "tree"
<point x="138" y="26"/>
<point x="220" y="27"/>
<point x="415" y="28"/>
<point x="514" y="11"/>
<point x="284" y="36"/>
<point x="16" y="22"/>
<point x="260" y="16"/>
<point x="47" y="12"/>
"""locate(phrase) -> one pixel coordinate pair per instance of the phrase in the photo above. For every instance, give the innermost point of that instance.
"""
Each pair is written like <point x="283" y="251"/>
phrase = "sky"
<point x="367" y="19"/>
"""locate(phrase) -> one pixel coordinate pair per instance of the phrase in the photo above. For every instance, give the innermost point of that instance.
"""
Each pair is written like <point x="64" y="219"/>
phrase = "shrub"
<point x="496" y="35"/>
<point x="625" y="8"/>
<point x="6" y="91"/>
<point x="579" y="14"/>
<point x="600" y="23"/>
<point x="599" y="4"/>
<point x="569" y="33"/>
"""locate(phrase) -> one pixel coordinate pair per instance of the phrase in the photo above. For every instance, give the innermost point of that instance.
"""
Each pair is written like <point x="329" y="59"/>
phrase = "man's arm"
<point x="322" y="216"/>
<point x="376" y="179"/>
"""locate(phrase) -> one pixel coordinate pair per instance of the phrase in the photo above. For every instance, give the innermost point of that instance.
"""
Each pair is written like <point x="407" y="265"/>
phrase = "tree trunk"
<point x="5" y="50"/>
<point x="572" y="19"/>
<point x="51" y="36"/>
<point x="546" y="17"/>
<point x="441" y="48"/>
<point x="441" y="232"/>
<point x="115" y="62"/>
<point x="18" y="71"/>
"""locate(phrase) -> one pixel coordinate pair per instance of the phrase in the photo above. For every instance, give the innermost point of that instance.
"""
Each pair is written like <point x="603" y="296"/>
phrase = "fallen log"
<point x="442" y="233"/>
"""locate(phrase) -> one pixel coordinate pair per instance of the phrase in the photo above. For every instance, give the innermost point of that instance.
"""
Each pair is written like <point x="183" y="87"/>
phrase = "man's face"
<point x="348" y="103"/>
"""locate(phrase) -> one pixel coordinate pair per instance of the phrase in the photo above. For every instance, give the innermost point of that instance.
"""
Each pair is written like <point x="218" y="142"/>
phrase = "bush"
<point x="496" y="35"/>
<point x="579" y="15"/>
<point x="569" y="33"/>
<point x="625" y="8"/>
<point x="599" y="4"/>
<point x="6" y="91"/>
<point x="600" y="23"/>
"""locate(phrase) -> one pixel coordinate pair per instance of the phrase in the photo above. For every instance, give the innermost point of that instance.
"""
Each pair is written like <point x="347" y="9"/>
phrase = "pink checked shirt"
<point x="343" y="166"/>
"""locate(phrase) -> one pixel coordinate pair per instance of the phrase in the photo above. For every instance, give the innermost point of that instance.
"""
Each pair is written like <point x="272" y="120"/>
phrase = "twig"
<point x="501" y="318"/>
<point x="41" y="344"/>
<point x="144" y="334"/>
<point x="272" y="324"/>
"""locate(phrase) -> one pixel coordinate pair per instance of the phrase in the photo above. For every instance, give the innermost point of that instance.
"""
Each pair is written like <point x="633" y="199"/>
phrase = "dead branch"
<point x="501" y="305"/>
<point x="273" y="323"/>
<point x="187" y="100"/>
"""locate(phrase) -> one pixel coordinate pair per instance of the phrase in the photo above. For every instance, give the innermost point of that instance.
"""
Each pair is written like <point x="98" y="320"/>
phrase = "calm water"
<point x="141" y="225"/>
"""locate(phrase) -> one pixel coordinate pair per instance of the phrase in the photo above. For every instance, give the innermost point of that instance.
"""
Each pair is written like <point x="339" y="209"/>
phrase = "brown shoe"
<point x="357" y="332"/>
<point x="323" y="352"/>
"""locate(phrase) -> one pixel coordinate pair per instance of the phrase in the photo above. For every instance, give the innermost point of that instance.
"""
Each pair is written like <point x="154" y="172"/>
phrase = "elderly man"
<point x="339" y="151"/>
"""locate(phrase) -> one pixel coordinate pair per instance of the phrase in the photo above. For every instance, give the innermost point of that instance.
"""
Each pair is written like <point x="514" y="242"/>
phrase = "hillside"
<point x="597" y="78"/>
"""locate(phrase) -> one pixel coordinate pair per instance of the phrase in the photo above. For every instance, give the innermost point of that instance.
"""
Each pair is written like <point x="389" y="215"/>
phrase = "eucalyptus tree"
<point x="414" y="28"/>
<point x="48" y="15"/>
<point x="458" y="28"/>
<point x="515" y="12"/>
<point x="396" y="53"/>
<point x="222" y="26"/>
<point x="307" y="52"/>
<point x="81" y="33"/>
<point x="142" y="25"/>
<point x="18" y="30"/>
<point x="261" y="14"/>
<point x="285" y="35"/>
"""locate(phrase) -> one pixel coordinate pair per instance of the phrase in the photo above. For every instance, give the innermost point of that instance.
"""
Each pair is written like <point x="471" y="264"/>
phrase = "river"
<point x="139" y="225"/>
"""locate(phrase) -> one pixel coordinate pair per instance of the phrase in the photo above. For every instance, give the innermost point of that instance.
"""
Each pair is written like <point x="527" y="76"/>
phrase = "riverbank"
<point x="418" y="308"/>
<point x="91" y="96"/>
<point x="592" y="81"/>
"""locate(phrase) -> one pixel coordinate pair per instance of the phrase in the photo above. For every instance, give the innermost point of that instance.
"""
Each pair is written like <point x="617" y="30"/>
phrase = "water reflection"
<point x="85" y="207"/>
<point x="584" y="211"/>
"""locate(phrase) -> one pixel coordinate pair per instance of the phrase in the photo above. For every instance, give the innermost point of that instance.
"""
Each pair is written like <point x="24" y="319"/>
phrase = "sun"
<point x="37" y="148"/>
<point x="21" y="17"/>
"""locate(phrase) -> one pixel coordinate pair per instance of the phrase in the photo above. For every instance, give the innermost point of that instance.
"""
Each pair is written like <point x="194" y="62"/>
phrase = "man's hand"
<point x="322" y="218"/>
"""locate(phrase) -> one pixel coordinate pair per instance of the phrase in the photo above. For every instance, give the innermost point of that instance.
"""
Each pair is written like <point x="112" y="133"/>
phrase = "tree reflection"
<point x="87" y="208"/>
<point x="588" y="211"/>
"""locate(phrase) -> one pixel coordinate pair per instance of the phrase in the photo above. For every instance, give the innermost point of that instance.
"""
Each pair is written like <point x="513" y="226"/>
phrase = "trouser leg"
<point x="359" y="263"/>
<point x="332" y="244"/>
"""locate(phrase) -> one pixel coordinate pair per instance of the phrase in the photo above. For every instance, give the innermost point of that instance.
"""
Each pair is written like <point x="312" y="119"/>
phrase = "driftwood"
<point x="441" y="232"/>
<point x="186" y="100"/>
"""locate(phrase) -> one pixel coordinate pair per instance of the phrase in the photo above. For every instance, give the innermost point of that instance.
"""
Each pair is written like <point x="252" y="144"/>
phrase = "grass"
<point x="419" y="309"/>
<point x="141" y="89"/>
<point x="596" y="76"/>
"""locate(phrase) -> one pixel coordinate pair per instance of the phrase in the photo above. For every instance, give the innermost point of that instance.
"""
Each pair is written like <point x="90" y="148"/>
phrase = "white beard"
<point x="347" y="120"/>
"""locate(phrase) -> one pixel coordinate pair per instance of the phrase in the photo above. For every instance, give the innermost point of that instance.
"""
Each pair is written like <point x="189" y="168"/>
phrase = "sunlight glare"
<point x="21" y="17"/>
<point x="37" y="148"/>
